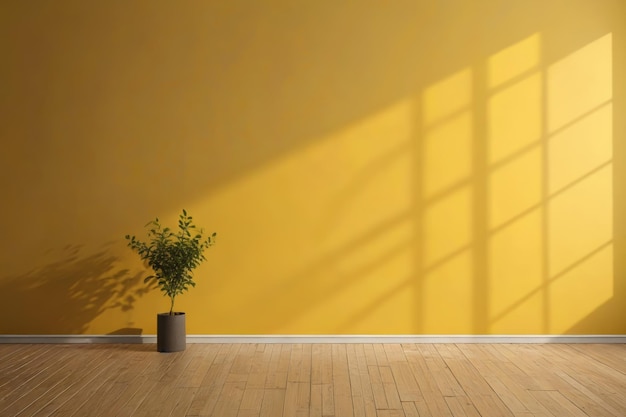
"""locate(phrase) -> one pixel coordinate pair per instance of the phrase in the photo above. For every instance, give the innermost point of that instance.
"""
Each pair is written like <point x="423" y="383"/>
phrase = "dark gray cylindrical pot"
<point x="171" y="332"/>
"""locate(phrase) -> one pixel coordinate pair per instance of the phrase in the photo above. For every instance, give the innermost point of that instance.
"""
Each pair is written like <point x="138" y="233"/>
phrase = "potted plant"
<point x="173" y="256"/>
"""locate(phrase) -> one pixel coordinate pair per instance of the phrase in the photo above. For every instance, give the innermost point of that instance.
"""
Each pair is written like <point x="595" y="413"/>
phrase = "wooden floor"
<point x="314" y="380"/>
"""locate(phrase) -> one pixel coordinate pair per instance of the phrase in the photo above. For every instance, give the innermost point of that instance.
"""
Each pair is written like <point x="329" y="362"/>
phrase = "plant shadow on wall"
<point x="64" y="296"/>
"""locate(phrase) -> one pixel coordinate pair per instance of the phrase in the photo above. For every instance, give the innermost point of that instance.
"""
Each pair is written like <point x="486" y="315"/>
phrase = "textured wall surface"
<point x="424" y="167"/>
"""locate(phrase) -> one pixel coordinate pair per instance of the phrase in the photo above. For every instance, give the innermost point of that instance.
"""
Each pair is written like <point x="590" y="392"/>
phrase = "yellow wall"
<point x="425" y="167"/>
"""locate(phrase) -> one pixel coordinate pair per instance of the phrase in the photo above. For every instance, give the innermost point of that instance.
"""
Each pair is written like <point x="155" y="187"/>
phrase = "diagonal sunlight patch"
<point x="363" y="291"/>
<point x="516" y="268"/>
<point x="449" y="297"/>
<point x="581" y="219"/>
<point x="515" y="187"/>
<point x="514" y="61"/>
<point x="579" y="83"/>
<point x="447" y="154"/>
<point x="580" y="183"/>
<point x="318" y="226"/>
<point x="447" y="98"/>
<point x="581" y="289"/>
<point x="447" y="159"/>
<point x="514" y="118"/>
<point x="580" y="148"/>
<point x="447" y="226"/>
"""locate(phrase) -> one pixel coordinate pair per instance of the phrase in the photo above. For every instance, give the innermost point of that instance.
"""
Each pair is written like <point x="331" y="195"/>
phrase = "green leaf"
<point x="172" y="256"/>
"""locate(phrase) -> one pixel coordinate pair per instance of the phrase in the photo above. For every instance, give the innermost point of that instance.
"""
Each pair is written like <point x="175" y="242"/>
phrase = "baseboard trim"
<point x="141" y="339"/>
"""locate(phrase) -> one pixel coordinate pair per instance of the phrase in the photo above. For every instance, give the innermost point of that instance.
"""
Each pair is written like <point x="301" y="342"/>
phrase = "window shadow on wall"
<point x="116" y="114"/>
<point x="513" y="204"/>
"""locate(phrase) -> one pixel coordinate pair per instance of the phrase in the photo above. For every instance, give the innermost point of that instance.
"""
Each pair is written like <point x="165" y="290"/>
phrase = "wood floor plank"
<point x="273" y="403"/>
<point x="132" y="395"/>
<point x="507" y="396"/>
<point x="202" y="361"/>
<point x="255" y="385"/>
<point x="229" y="400"/>
<point x="440" y="372"/>
<point x="247" y="413"/>
<point x="381" y="355"/>
<point x="315" y="407"/>
<point x="168" y="386"/>
<point x="489" y="367"/>
<point x="305" y="364"/>
<point x="316" y="363"/>
<point x="279" y="367"/>
<point x="132" y="385"/>
<point x="297" y="399"/>
<point x="394" y="352"/>
<point x="213" y="382"/>
<point x="356" y="385"/>
<point x="252" y="399"/>
<point x="513" y="391"/>
<point x="80" y="377"/>
<point x="391" y="413"/>
<point x="370" y="355"/>
<point x="295" y="363"/>
<point x="342" y="394"/>
<point x="184" y="398"/>
<point x="14" y="360"/>
<point x="408" y="389"/>
<point x="37" y="385"/>
<point x="326" y="375"/>
<point x="523" y="369"/>
<point x="434" y="401"/>
<point x="326" y="365"/>
<point x="484" y="398"/>
<point x="328" y="400"/>
<point x="605" y="383"/>
<point x="171" y="402"/>
<point x="557" y="404"/>
<point x="592" y="403"/>
<point x="612" y="355"/>
<point x="410" y="409"/>
<point x="318" y="380"/>
<point x="610" y="379"/>
<point x="531" y="360"/>
<point x="369" y="404"/>
<point x="462" y="407"/>
<point x="390" y="387"/>
<point x="242" y="363"/>
<point x="24" y="366"/>
<point x="378" y="390"/>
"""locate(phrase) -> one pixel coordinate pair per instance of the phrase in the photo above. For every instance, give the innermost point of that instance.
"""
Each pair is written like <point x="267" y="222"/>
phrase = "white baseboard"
<point x="138" y="339"/>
